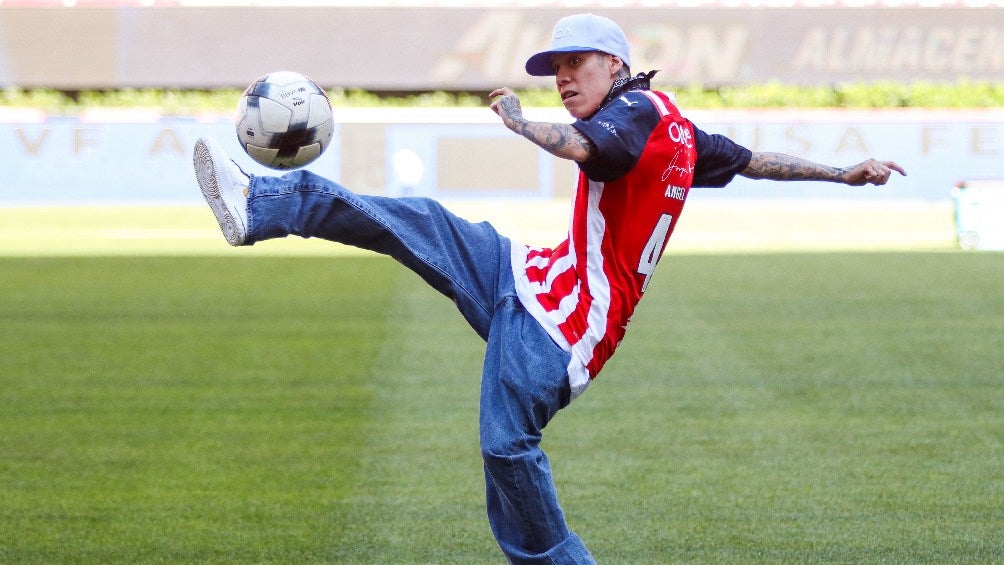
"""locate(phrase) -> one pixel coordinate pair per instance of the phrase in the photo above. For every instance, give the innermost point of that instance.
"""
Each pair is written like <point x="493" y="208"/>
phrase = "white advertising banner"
<point x="145" y="158"/>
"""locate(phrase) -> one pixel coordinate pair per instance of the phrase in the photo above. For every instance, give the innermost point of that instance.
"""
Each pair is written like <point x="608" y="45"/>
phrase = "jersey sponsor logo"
<point x="681" y="134"/>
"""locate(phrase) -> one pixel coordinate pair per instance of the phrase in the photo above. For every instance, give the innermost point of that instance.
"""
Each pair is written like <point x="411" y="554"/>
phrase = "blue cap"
<point x="579" y="33"/>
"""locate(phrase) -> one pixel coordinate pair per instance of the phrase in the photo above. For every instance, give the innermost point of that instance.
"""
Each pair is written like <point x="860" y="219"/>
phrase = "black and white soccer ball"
<point x="284" y="120"/>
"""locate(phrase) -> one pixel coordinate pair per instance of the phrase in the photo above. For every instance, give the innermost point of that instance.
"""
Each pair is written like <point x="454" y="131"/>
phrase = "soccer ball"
<point x="284" y="120"/>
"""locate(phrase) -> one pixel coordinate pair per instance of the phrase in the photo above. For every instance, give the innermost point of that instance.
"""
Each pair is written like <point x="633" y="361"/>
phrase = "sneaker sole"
<point x="205" y="173"/>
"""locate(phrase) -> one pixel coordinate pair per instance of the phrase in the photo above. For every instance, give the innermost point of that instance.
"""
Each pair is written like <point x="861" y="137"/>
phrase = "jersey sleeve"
<point x="619" y="131"/>
<point x="719" y="159"/>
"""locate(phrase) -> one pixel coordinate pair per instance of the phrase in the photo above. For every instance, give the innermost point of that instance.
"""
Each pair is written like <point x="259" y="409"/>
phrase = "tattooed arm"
<point x="778" y="166"/>
<point x="560" y="140"/>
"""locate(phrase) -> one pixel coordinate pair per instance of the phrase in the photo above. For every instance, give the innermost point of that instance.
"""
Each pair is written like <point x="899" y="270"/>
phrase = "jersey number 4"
<point x="653" y="249"/>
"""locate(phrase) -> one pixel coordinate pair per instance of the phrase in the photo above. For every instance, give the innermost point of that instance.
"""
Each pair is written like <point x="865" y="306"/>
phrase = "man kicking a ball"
<point x="551" y="317"/>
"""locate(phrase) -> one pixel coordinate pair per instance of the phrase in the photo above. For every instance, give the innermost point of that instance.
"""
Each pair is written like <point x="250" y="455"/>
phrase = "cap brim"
<point x="540" y="65"/>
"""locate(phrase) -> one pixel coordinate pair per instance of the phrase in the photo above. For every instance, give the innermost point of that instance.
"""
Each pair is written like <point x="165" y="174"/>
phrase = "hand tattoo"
<point x="511" y="107"/>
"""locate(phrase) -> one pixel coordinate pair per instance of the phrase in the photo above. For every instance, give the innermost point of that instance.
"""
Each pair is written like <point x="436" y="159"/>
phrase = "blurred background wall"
<point x="477" y="48"/>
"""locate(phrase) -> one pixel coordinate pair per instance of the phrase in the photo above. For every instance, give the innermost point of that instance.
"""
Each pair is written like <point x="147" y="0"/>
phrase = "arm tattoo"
<point x="561" y="140"/>
<point x="778" y="166"/>
<point x="558" y="139"/>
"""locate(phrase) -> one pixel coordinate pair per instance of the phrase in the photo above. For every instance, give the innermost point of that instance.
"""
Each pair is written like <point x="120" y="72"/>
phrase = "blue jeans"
<point x="524" y="381"/>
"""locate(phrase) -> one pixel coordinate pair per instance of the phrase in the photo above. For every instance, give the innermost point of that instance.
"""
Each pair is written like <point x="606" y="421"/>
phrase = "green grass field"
<point x="765" y="408"/>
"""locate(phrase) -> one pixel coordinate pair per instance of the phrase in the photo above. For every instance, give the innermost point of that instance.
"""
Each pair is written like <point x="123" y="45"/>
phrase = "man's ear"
<point x="616" y="64"/>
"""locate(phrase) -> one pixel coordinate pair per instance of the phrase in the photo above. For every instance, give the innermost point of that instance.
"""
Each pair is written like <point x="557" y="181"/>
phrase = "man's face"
<point x="584" y="79"/>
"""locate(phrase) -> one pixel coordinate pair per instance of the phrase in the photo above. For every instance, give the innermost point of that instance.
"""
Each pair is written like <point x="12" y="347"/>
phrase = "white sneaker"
<point x="225" y="187"/>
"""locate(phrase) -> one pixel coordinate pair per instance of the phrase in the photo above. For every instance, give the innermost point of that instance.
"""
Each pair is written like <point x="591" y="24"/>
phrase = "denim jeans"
<point x="524" y="381"/>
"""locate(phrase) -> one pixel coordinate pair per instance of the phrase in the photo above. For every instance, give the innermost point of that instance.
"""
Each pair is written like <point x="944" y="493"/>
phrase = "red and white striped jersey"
<point x="626" y="205"/>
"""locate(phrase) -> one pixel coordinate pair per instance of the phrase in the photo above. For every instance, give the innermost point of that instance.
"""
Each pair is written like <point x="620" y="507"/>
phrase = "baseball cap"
<point x="581" y="32"/>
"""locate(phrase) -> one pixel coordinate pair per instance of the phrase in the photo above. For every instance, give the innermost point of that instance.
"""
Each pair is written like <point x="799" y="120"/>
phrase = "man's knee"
<point x="500" y="453"/>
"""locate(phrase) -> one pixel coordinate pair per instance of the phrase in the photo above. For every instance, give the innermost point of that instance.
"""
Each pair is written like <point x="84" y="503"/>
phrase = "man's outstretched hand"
<point x="871" y="172"/>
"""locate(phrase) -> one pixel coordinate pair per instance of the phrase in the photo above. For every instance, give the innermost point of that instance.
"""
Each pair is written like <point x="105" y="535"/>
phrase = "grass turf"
<point x="802" y="408"/>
